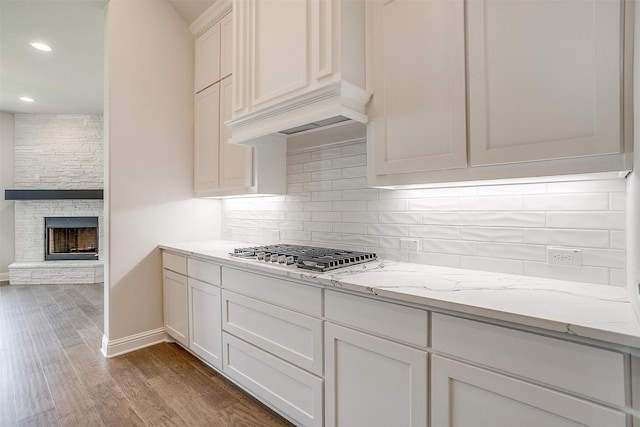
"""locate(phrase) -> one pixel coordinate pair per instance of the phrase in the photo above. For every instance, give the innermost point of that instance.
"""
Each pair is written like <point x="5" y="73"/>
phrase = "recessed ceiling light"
<point x="26" y="99"/>
<point x="40" y="46"/>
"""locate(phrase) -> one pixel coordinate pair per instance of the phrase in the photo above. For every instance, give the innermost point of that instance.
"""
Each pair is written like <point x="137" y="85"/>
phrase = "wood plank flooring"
<point x="53" y="374"/>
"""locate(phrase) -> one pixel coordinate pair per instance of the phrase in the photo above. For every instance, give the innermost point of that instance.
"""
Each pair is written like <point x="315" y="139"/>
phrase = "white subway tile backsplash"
<point x="612" y="258"/>
<point x="317" y="166"/>
<point x="591" y="220"/>
<point x="512" y="251"/>
<point x="325" y="175"/>
<point x="492" y="234"/>
<point x="512" y="219"/>
<point x="356" y="240"/>
<point x="321" y="196"/>
<point x="350" y="228"/>
<point x="434" y="204"/>
<point x="492" y="203"/>
<point x="354" y="172"/>
<point x="457" y="247"/>
<point x="353" y="149"/>
<point x="362" y="217"/>
<point x="400" y="218"/>
<point x="504" y="228"/>
<point x="348" y="184"/>
<point x="434" y="231"/>
<point x="360" y="194"/>
<point x="449" y="218"/>
<point x="350" y="161"/>
<point x="618" y="240"/>
<point x="393" y="205"/>
<point x="568" y="238"/>
<point x="507" y="266"/>
<point x="388" y="230"/>
<point x="350" y="206"/>
<point x="574" y="202"/>
<point x="318" y="186"/>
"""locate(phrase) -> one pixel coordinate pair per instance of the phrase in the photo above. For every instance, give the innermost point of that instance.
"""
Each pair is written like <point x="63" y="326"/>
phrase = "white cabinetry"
<point x="296" y="63"/>
<point x="537" y="380"/>
<point x="174" y="286"/>
<point x="273" y="342"/>
<point x="370" y="380"/>
<point x="222" y="168"/>
<point x="545" y="89"/>
<point x="192" y="305"/>
<point x="205" y="319"/>
<point x="464" y="395"/>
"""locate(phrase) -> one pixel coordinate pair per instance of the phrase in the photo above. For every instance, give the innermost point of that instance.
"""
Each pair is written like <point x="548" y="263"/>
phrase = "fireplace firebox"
<point x="71" y="238"/>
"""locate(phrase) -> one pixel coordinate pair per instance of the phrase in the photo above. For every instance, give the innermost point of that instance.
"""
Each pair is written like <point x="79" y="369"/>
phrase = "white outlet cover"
<point x="564" y="256"/>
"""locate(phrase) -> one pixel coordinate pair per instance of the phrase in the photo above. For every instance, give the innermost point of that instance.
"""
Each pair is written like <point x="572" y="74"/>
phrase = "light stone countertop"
<point x="580" y="309"/>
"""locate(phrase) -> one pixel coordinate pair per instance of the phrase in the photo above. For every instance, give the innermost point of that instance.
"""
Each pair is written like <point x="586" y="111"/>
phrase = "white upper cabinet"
<point x="544" y="79"/>
<point x="491" y="89"/>
<point x="207" y="68"/>
<point x="295" y="63"/>
<point x="222" y="168"/>
<point x="418" y="117"/>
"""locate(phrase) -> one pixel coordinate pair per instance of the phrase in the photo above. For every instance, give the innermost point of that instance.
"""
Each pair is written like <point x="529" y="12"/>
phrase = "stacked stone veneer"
<point x="55" y="151"/>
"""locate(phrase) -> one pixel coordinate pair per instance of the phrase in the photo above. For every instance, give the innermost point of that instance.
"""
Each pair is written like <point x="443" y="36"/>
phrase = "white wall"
<point x="502" y="228"/>
<point x="6" y="182"/>
<point x="149" y="133"/>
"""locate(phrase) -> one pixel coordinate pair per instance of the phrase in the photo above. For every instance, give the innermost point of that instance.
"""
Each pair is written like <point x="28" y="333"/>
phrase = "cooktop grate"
<point x="307" y="257"/>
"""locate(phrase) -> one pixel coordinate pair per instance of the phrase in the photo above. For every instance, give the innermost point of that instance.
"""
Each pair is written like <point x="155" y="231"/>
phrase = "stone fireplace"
<point x="58" y="152"/>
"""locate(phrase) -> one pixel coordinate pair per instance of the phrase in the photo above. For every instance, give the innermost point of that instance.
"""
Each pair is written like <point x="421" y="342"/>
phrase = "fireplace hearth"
<point x="71" y="238"/>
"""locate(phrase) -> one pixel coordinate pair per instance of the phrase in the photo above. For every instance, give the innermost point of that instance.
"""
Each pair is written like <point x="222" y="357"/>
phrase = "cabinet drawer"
<point x="296" y="296"/>
<point x="204" y="271"/>
<point x="293" y="392"/>
<point x="295" y="337"/>
<point x="395" y="321"/>
<point x="578" y="368"/>
<point x="174" y="262"/>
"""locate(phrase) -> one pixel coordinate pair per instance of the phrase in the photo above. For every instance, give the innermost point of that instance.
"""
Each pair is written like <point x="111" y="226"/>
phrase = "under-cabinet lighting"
<point x="40" y="46"/>
<point x="26" y="99"/>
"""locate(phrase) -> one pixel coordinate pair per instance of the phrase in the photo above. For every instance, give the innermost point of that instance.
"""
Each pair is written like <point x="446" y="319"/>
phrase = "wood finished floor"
<point x="53" y="374"/>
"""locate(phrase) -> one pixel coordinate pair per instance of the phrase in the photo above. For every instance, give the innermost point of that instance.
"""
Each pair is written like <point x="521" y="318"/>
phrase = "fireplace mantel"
<point x="53" y="194"/>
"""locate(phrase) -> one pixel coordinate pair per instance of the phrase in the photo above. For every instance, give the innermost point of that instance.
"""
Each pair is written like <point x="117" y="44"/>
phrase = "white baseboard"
<point x="133" y="342"/>
<point x="4" y="277"/>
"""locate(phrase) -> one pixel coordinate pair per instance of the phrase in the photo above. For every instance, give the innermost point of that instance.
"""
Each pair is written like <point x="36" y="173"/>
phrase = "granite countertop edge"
<point x="599" y="312"/>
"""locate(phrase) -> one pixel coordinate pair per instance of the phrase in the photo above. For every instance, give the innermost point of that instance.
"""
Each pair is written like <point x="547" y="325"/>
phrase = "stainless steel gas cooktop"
<point x="307" y="257"/>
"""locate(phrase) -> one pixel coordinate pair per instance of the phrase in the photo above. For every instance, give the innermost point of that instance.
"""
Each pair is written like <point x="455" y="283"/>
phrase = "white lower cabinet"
<point x="205" y="330"/>
<point x="372" y="381"/>
<point x="293" y="392"/>
<point x="176" y="310"/>
<point x="463" y="395"/>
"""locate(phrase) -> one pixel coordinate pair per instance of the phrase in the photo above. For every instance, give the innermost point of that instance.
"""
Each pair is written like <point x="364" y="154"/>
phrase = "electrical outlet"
<point x="275" y="236"/>
<point x="563" y="256"/>
<point x="408" y="245"/>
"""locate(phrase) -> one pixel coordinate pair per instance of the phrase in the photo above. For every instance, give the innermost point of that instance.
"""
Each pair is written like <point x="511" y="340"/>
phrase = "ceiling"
<point x="69" y="79"/>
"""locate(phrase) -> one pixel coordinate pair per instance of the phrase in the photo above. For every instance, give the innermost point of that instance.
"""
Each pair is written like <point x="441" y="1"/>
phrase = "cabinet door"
<point x="236" y="165"/>
<point x="280" y="29"/>
<point x="176" y="318"/>
<point x="372" y="381"/>
<point x="418" y="112"/>
<point x="463" y="395"/>
<point x="207" y="68"/>
<point x="544" y="79"/>
<point x="226" y="45"/>
<point x="207" y="139"/>
<point x="205" y="326"/>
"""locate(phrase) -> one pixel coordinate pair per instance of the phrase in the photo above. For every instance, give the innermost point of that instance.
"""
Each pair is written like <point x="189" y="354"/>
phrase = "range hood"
<point x="325" y="108"/>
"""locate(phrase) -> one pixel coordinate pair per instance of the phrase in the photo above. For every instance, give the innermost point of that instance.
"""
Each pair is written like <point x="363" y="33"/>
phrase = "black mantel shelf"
<point x="53" y="194"/>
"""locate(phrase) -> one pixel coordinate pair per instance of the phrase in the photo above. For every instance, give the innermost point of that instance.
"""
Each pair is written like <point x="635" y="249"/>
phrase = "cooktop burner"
<point x="307" y="257"/>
